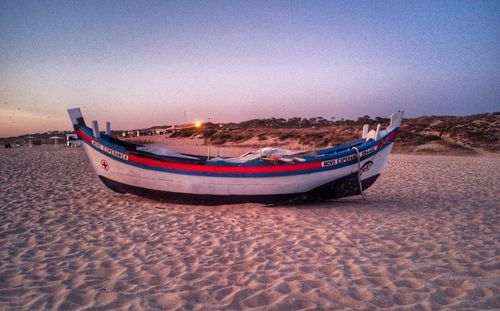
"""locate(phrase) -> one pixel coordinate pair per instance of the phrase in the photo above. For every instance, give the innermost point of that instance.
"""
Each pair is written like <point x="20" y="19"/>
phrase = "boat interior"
<point x="266" y="154"/>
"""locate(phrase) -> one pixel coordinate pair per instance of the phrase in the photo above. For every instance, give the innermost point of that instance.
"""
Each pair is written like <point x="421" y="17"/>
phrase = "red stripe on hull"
<point x="83" y="136"/>
<point x="278" y="168"/>
<point x="388" y="138"/>
<point x="215" y="168"/>
<point x="224" y="169"/>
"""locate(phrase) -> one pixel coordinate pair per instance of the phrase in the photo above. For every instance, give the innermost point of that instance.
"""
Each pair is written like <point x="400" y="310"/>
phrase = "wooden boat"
<point x="270" y="175"/>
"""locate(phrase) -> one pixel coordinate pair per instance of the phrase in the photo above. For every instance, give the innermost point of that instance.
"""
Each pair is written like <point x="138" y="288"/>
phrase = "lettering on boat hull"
<point x="348" y="158"/>
<point x="113" y="152"/>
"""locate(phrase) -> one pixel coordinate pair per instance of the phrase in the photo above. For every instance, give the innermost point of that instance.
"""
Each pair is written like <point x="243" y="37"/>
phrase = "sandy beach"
<point x="427" y="237"/>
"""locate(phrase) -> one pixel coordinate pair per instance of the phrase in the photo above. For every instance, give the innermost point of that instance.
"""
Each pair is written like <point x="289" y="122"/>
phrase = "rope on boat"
<point x="358" y="155"/>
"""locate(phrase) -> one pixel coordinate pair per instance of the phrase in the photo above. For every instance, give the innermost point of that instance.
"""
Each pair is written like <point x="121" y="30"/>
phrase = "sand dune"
<point x="428" y="237"/>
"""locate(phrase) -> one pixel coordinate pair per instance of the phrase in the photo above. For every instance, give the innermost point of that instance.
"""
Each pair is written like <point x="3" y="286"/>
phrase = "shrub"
<point x="186" y="133"/>
<point x="286" y="135"/>
<point x="427" y="138"/>
<point x="208" y="132"/>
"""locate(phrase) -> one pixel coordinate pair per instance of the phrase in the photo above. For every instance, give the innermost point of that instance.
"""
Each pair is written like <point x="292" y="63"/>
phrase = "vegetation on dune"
<point x="452" y="133"/>
<point x="422" y="134"/>
<point x="477" y="131"/>
<point x="406" y="136"/>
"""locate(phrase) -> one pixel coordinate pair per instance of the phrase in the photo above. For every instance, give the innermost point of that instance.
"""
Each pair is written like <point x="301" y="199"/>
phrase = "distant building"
<point x="73" y="141"/>
<point x="162" y="131"/>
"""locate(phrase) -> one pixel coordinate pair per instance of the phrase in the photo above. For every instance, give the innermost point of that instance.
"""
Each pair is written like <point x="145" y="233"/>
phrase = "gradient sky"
<point x="139" y="64"/>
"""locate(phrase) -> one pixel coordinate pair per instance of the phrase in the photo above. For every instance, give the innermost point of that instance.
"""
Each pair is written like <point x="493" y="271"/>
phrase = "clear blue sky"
<point x="145" y="63"/>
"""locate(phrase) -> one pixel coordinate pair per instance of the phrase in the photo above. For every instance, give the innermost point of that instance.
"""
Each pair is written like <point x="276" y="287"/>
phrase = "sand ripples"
<point x="428" y="237"/>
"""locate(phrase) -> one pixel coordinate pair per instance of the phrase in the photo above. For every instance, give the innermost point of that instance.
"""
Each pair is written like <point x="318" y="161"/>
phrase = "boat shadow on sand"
<point x="342" y="203"/>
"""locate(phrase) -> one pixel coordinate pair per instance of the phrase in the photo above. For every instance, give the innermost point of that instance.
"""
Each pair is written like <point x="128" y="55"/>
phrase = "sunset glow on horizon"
<point x="140" y="64"/>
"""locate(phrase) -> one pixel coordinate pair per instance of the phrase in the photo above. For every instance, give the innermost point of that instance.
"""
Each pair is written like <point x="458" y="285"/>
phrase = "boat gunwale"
<point x="258" y="168"/>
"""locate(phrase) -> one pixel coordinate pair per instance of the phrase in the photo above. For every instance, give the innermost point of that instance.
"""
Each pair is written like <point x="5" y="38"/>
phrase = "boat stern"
<point x="396" y="119"/>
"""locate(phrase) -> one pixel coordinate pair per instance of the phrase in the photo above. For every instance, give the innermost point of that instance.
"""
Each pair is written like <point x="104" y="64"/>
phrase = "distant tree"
<point x="294" y="122"/>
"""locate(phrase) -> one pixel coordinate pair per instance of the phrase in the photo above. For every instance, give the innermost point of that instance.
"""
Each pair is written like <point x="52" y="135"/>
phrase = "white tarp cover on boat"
<point x="285" y="155"/>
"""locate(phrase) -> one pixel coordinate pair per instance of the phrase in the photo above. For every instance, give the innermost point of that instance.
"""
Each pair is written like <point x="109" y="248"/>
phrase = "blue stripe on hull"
<point x="250" y="175"/>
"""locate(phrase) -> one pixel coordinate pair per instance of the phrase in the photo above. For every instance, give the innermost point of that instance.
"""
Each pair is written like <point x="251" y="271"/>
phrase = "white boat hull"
<point x="208" y="186"/>
<point x="327" y="174"/>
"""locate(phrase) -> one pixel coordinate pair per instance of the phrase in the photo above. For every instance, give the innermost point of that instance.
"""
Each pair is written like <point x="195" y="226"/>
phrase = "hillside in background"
<point x="427" y="134"/>
<point x="456" y="133"/>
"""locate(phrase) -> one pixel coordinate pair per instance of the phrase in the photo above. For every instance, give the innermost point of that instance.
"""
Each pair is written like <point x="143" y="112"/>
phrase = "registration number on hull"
<point x="348" y="158"/>
<point x="113" y="152"/>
